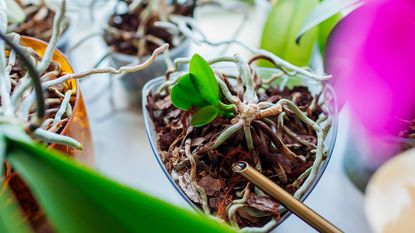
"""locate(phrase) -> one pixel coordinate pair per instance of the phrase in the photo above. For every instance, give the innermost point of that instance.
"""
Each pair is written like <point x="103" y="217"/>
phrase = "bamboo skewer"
<point x="298" y="208"/>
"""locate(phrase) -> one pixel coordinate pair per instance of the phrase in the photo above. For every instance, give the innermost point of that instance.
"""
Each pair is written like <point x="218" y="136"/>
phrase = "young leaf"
<point x="9" y="131"/>
<point x="323" y="11"/>
<point x="204" y="115"/>
<point x="203" y="79"/>
<point x="281" y="28"/>
<point x="184" y="95"/>
<point x="76" y="199"/>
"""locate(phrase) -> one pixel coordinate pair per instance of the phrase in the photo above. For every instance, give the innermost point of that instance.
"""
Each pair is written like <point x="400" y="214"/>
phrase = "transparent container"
<point x="313" y="86"/>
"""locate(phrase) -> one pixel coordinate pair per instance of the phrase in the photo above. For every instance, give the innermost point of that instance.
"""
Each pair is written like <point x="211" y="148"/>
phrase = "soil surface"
<point x="213" y="172"/>
<point x="123" y="36"/>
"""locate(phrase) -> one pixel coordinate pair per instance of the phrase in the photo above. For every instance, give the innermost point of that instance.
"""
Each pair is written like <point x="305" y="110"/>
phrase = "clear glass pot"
<point x="313" y="86"/>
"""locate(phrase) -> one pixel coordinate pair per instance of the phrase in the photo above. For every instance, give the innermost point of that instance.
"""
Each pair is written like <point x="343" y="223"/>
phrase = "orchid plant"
<point x="223" y="107"/>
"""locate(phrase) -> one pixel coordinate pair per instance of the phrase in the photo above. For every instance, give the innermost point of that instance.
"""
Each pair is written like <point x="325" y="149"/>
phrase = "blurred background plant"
<point x="296" y="28"/>
<point x="34" y="18"/>
<point x="133" y="29"/>
<point x="370" y="55"/>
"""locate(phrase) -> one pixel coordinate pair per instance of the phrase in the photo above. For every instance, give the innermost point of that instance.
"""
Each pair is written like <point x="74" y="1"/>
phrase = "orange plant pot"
<point x="77" y="127"/>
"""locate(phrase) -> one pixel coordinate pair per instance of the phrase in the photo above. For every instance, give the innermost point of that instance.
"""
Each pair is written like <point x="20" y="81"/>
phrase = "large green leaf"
<point x="204" y="115"/>
<point x="324" y="30"/>
<point x="184" y="95"/>
<point x="283" y="24"/>
<point x="76" y="199"/>
<point x="8" y="130"/>
<point x="323" y="11"/>
<point x="11" y="220"/>
<point x="2" y="154"/>
<point x="203" y="79"/>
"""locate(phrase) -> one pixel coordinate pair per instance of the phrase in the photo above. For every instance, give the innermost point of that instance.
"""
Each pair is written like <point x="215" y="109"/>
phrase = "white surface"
<point x="123" y="153"/>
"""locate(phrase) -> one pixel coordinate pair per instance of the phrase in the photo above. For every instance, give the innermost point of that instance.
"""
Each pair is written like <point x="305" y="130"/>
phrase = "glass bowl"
<point x="329" y="143"/>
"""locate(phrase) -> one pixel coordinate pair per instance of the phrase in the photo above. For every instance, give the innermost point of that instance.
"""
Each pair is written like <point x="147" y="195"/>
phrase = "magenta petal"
<point x="372" y="57"/>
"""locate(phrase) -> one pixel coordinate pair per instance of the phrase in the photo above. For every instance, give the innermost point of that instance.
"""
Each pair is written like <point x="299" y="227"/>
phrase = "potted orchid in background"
<point x="35" y="19"/>
<point x="135" y="28"/>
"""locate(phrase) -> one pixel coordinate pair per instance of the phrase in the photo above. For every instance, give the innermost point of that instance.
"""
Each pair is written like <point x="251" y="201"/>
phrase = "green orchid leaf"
<point x="8" y="130"/>
<point x="204" y="115"/>
<point x="323" y="11"/>
<point x="15" y="13"/>
<point x="76" y="199"/>
<point x="203" y="79"/>
<point x="11" y="218"/>
<point x="184" y="95"/>
<point x="283" y="24"/>
<point x="324" y="30"/>
<point x="2" y="154"/>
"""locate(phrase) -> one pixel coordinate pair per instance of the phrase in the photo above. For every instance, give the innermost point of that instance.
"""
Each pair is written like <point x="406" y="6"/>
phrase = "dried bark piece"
<point x="211" y="185"/>
<point x="263" y="203"/>
<point x="251" y="214"/>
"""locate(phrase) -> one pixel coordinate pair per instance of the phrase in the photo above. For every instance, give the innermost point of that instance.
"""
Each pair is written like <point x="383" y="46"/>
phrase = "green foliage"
<point x="293" y="27"/>
<point x="199" y="89"/>
<point x="248" y="2"/>
<point x="9" y="215"/>
<point x="325" y="16"/>
<point x="283" y="24"/>
<point x="324" y="30"/>
<point x="76" y="199"/>
<point x="204" y="115"/>
<point x="323" y="11"/>
<point x="15" y="13"/>
<point x="184" y="95"/>
<point x="204" y="80"/>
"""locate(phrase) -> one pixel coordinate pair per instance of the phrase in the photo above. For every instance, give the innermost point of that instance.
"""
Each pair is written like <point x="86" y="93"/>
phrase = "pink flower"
<point x="371" y="55"/>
